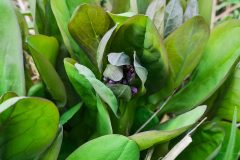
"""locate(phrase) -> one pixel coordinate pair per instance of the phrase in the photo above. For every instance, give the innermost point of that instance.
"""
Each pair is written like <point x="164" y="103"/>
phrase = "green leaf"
<point x="28" y="127"/>
<point x="185" y="47"/>
<point x="183" y="120"/>
<point x="81" y="85"/>
<point x="168" y="130"/>
<point x="53" y="150"/>
<point x="140" y="70"/>
<point x="37" y="90"/>
<point x="207" y="77"/>
<point x="156" y="12"/>
<point x="101" y="89"/>
<point x="142" y="5"/>
<point x="205" y="10"/>
<point x="121" y="91"/>
<point x="88" y="34"/>
<point x="232" y="135"/>
<point x="121" y="18"/>
<point x="173" y="16"/>
<point x="229" y="153"/>
<point x="114" y="147"/>
<point x="139" y="34"/>
<point x="206" y="143"/>
<point x="103" y="47"/>
<point x="62" y="15"/>
<point x="70" y="113"/>
<point x="113" y="72"/>
<point x="11" y="53"/>
<point x="191" y="10"/>
<point x="7" y="96"/>
<point x="230" y="98"/>
<point x="104" y="125"/>
<point x="48" y="46"/>
<point x="118" y="59"/>
<point x="148" y="139"/>
<point x="119" y="6"/>
<point x="73" y="4"/>
<point x="40" y="46"/>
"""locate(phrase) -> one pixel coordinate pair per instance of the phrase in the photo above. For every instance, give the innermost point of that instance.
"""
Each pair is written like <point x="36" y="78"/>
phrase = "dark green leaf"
<point x="11" y="53"/>
<point x="101" y="89"/>
<point x="173" y="16"/>
<point x="70" y="113"/>
<point x="114" y="147"/>
<point x="185" y="48"/>
<point x="207" y="77"/>
<point x="118" y="59"/>
<point x="37" y="90"/>
<point x="230" y="98"/>
<point x="139" y="34"/>
<point x="119" y="6"/>
<point x="142" y="5"/>
<point x="88" y="25"/>
<point x="113" y="72"/>
<point x="28" y="127"/>
<point x="121" y="18"/>
<point x="82" y="86"/>
<point x="168" y="130"/>
<point x="62" y="15"/>
<point x="40" y="46"/>
<point x="73" y="4"/>
<point x="191" y="10"/>
<point x="7" y="96"/>
<point x="121" y="91"/>
<point x="230" y="142"/>
<point x="206" y="143"/>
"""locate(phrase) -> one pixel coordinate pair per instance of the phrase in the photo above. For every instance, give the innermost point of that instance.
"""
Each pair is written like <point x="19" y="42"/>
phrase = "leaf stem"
<point x="156" y="113"/>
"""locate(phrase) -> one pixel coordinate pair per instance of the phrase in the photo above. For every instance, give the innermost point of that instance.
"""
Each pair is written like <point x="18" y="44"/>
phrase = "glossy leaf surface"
<point x="21" y="118"/>
<point x="114" y="147"/>
<point x="196" y="92"/>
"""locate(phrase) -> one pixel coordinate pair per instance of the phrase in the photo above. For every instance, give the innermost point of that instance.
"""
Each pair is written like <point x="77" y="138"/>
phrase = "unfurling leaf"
<point x="113" y="72"/>
<point x="173" y="16"/>
<point x="118" y="59"/>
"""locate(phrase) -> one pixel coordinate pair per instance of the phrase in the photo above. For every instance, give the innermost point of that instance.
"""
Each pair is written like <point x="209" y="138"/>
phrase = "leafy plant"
<point x="118" y="80"/>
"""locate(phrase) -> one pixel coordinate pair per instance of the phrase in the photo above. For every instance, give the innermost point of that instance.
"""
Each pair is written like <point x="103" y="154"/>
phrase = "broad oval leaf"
<point x="185" y="48"/>
<point x="173" y="16"/>
<point x="11" y="53"/>
<point x="38" y="46"/>
<point x="88" y="25"/>
<point x="112" y="147"/>
<point x="207" y="77"/>
<point x="100" y="88"/>
<point x="139" y="34"/>
<point x="20" y="120"/>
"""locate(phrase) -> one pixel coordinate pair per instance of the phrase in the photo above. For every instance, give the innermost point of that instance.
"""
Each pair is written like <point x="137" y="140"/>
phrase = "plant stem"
<point x="156" y="113"/>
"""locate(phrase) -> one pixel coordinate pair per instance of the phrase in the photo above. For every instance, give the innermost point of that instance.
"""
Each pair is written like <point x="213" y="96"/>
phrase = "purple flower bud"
<point x="134" y="90"/>
<point x="111" y="82"/>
